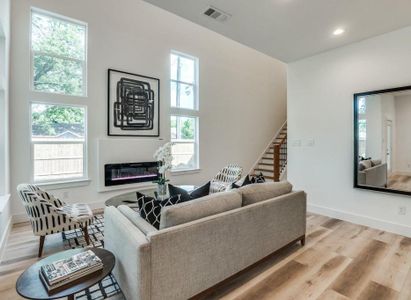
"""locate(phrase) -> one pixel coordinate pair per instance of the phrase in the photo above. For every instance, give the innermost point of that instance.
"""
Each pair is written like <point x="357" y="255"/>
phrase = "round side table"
<point x="30" y="286"/>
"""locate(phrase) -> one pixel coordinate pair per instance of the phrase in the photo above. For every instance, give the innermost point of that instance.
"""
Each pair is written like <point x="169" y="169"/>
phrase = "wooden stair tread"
<point x="263" y="170"/>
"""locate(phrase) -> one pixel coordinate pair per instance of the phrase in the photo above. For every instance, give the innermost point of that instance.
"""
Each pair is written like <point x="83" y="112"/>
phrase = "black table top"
<point x="130" y="198"/>
<point x="30" y="286"/>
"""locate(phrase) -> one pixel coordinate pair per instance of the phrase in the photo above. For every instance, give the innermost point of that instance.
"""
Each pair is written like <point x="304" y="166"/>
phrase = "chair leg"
<point x="302" y="241"/>
<point x="86" y="236"/>
<point x="42" y="238"/>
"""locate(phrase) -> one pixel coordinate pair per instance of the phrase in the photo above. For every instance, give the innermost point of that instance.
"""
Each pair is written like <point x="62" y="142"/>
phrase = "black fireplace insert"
<point x="127" y="173"/>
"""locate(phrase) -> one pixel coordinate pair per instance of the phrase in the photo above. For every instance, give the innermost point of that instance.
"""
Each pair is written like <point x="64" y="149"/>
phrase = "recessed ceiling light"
<point x="338" y="31"/>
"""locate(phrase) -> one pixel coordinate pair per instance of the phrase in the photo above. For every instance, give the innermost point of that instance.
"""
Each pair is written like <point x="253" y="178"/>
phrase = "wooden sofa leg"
<point x="86" y="236"/>
<point x="302" y="241"/>
<point x="41" y="244"/>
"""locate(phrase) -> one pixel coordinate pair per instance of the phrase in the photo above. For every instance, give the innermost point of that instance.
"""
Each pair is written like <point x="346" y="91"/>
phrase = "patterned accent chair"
<point x="49" y="215"/>
<point x="225" y="178"/>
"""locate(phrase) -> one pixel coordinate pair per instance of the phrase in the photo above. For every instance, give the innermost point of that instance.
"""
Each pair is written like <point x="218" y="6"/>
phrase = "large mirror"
<point x="382" y="140"/>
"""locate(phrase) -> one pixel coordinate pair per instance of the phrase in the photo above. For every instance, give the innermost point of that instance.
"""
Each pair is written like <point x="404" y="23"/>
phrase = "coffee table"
<point x="30" y="286"/>
<point x="130" y="198"/>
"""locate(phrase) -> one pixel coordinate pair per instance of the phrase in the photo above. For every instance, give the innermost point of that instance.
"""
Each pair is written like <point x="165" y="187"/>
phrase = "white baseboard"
<point x="22" y="217"/>
<point x="4" y="237"/>
<point x="361" y="219"/>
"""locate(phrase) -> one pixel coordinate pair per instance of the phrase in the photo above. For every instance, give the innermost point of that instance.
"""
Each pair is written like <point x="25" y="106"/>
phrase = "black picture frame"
<point x="356" y="140"/>
<point x="156" y="107"/>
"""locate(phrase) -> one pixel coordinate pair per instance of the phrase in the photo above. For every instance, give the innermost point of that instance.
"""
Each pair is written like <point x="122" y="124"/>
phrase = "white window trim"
<point x="75" y="181"/>
<point x="188" y="113"/>
<point x="195" y="85"/>
<point x="32" y="52"/>
<point x="195" y="141"/>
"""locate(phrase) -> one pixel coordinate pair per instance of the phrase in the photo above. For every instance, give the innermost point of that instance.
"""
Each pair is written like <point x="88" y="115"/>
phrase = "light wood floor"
<point x="340" y="261"/>
<point x="399" y="182"/>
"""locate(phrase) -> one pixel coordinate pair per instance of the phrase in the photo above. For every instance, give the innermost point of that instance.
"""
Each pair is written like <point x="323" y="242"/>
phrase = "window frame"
<point x="195" y="85"/>
<point x="176" y="111"/>
<point x="62" y="57"/>
<point x="195" y="142"/>
<point x="85" y="146"/>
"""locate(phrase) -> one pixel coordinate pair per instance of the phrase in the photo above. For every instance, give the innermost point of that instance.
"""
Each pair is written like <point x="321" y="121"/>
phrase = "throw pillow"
<point x="366" y="163"/>
<point x="241" y="182"/>
<point x="258" y="178"/>
<point x="150" y="208"/>
<point x="202" y="191"/>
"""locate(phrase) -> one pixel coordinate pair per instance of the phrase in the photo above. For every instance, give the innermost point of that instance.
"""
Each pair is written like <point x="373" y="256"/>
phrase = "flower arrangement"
<point x="164" y="157"/>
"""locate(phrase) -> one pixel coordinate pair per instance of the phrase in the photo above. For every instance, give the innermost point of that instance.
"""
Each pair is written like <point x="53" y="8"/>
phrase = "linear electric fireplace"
<point x="127" y="173"/>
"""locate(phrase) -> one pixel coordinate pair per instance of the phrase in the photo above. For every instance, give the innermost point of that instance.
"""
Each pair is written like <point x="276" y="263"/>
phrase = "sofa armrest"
<point x="376" y="176"/>
<point x="132" y="251"/>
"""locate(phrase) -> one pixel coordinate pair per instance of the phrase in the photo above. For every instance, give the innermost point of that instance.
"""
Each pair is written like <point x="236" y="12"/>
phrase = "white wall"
<point x="320" y="106"/>
<point x="242" y="92"/>
<point x="4" y="120"/>
<point x="403" y="150"/>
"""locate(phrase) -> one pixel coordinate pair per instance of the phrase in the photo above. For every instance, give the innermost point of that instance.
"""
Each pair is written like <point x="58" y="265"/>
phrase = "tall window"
<point x="58" y="54"/>
<point x="58" y="142"/>
<point x="184" y="121"/>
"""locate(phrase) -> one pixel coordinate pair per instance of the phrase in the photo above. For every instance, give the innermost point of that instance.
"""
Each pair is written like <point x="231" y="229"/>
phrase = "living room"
<point x="237" y="96"/>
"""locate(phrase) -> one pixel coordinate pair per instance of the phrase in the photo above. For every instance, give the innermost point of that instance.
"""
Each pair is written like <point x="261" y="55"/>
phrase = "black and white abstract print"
<point x="133" y="104"/>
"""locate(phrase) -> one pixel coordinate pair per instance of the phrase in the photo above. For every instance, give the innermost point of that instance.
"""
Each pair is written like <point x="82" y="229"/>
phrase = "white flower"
<point x="164" y="155"/>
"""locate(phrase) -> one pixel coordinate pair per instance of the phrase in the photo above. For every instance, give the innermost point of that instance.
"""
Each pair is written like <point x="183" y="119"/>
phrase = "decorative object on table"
<point x="259" y="178"/>
<point x="29" y="284"/>
<point x="133" y="104"/>
<point x="164" y="158"/>
<point x="49" y="215"/>
<point x="150" y="208"/>
<point x="58" y="274"/>
<point x="223" y="180"/>
<point x="202" y="191"/>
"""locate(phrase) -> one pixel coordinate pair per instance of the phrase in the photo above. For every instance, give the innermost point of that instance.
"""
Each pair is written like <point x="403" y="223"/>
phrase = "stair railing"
<point x="280" y="157"/>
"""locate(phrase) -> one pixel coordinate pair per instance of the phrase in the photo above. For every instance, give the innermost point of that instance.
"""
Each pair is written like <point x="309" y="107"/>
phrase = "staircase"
<point x="273" y="161"/>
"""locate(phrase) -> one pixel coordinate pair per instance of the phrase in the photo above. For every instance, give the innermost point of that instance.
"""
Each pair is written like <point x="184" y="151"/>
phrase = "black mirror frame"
<point x="356" y="144"/>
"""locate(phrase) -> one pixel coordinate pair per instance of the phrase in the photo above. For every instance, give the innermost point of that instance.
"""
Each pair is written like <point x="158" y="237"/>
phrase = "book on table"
<point x="65" y="271"/>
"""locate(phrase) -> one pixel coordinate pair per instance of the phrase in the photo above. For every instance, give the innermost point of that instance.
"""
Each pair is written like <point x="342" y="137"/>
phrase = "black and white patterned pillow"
<point x="258" y="178"/>
<point x="150" y="208"/>
<point x="242" y="182"/>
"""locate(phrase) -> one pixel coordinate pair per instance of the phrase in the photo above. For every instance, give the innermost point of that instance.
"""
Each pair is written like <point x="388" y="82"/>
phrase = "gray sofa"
<point x="203" y="241"/>
<point x="372" y="173"/>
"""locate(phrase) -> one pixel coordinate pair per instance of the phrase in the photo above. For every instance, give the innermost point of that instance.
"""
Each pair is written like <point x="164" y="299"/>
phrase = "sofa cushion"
<point x="150" y="208"/>
<point x="202" y="191"/>
<point x="199" y="208"/>
<point x="365" y="164"/>
<point x="136" y="219"/>
<point x="376" y="162"/>
<point x="254" y="193"/>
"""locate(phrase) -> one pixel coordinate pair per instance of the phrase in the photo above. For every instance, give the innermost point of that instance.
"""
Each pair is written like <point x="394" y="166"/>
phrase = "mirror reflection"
<point x="384" y="140"/>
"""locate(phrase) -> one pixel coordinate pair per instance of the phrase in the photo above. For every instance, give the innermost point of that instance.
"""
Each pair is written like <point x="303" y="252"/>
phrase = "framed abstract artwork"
<point x="133" y="105"/>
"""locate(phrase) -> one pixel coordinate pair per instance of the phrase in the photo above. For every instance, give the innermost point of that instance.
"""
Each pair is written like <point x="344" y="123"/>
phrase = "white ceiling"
<point x="293" y="29"/>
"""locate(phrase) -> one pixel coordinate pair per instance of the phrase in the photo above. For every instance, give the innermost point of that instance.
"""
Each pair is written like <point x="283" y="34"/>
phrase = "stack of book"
<point x="62" y="272"/>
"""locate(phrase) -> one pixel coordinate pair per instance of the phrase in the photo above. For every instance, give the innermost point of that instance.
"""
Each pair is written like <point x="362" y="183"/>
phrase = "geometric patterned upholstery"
<point x="48" y="214"/>
<point x="223" y="180"/>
